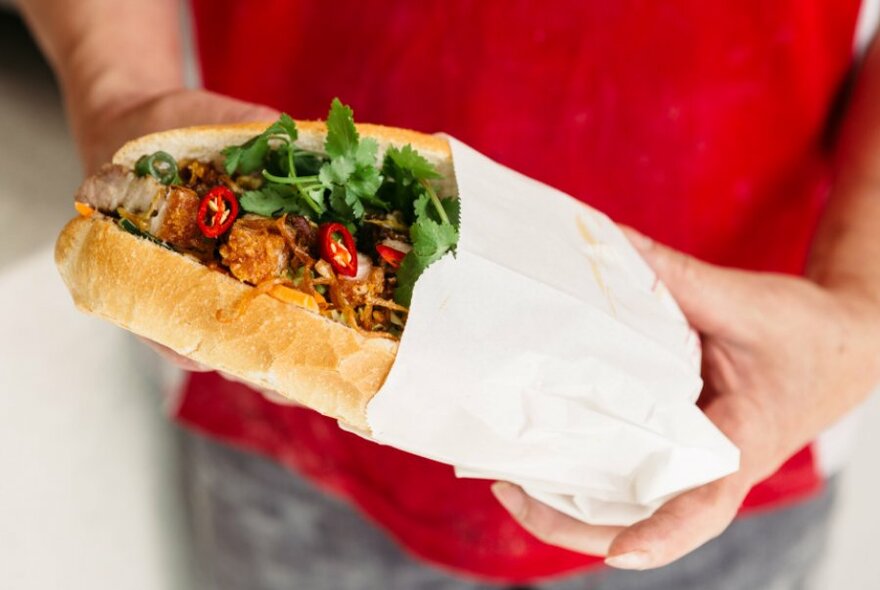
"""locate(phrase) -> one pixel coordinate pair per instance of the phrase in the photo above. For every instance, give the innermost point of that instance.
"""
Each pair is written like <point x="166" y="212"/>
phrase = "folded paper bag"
<point x="546" y="353"/>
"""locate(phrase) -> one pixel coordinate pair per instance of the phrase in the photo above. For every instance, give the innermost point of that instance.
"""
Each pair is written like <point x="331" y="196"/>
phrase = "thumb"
<point x="708" y="295"/>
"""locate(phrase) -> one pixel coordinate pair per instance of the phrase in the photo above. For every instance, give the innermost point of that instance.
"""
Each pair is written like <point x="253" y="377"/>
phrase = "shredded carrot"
<point x="294" y="296"/>
<point x="279" y="288"/>
<point x="83" y="209"/>
<point x="227" y="315"/>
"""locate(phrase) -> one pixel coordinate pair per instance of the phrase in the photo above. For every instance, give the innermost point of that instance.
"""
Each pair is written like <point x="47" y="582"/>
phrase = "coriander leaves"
<point x="342" y="136"/>
<point x="250" y="157"/>
<point x="411" y="163"/>
<point x="351" y="175"/>
<point x="404" y="170"/>
<point x="284" y="193"/>
<point x="435" y="229"/>
<point x="276" y="199"/>
<point x="430" y="241"/>
<point x="345" y="184"/>
<point x="346" y="181"/>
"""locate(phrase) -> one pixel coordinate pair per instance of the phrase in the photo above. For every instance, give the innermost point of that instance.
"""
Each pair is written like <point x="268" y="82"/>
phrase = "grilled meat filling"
<point x="174" y="221"/>
<point x="115" y="186"/>
<point x="255" y="250"/>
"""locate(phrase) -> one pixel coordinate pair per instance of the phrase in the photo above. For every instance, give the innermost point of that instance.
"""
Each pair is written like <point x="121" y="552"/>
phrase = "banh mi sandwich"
<point x="283" y="255"/>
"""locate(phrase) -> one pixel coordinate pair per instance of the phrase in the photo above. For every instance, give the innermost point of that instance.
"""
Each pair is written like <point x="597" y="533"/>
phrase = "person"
<point x="711" y="127"/>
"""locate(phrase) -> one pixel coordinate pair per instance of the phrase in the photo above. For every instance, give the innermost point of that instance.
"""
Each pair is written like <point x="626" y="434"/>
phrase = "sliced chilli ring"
<point x="217" y="212"/>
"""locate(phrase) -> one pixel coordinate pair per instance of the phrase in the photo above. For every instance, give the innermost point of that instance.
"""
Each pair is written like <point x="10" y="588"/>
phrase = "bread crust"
<point x="173" y="299"/>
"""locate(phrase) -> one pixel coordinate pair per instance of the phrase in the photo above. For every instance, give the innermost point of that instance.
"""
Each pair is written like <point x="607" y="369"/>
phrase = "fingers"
<point x="175" y="359"/>
<point x="710" y="296"/>
<point x="216" y="108"/>
<point x="552" y="526"/>
<point x="689" y="520"/>
<point x="188" y="364"/>
<point x="277" y="398"/>
<point x="272" y="396"/>
<point x="678" y="527"/>
<point x="185" y="108"/>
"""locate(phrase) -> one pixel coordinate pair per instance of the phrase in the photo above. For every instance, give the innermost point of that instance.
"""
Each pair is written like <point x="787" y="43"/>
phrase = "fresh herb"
<point x="347" y="183"/>
<point x="433" y="234"/>
<point x="251" y="155"/>
<point x="285" y="192"/>
<point x="434" y="229"/>
<point x="430" y="241"/>
<point x="307" y="163"/>
<point x="272" y="200"/>
<point x="429" y="206"/>
<point x="351" y="175"/>
<point x="303" y="188"/>
<point x="404" y="171"/>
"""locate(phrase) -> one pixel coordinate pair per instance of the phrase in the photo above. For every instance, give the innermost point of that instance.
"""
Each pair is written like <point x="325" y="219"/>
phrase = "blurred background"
<point x="88" y="492"/>
<point x="87" y="462"/>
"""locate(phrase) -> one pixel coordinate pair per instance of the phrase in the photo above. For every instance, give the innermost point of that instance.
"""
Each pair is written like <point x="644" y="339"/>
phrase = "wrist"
<point x="859" y="335"/>
<point x="862" y="306"/>
<point x="858" y="298"/>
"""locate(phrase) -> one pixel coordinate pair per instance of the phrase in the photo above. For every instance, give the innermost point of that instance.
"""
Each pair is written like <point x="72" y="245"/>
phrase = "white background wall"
<point x="87" y="472"/>
<point x="87" y="496"/>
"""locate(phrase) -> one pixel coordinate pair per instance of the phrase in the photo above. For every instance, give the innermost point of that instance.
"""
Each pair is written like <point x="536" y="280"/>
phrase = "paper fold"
<point x="546" y="353"/>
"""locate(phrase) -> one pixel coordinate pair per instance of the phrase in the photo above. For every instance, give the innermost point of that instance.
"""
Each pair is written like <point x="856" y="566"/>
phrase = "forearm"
<point x="108" y="57"/>
<point x="846" y="253"/>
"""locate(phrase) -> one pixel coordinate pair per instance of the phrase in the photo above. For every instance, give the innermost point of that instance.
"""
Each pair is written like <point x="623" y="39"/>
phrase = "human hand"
<point x="121" y="80"/>
<point x="783" y="358"/>
<point x="187" y="364"/>
<point x="99" y="134"/>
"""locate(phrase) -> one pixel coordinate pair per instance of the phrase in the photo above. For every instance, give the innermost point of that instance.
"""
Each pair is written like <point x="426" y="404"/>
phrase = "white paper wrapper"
<point x="547" y="354"/>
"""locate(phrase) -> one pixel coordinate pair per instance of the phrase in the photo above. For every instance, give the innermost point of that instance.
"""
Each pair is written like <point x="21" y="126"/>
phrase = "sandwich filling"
<point x="336" y="232"/>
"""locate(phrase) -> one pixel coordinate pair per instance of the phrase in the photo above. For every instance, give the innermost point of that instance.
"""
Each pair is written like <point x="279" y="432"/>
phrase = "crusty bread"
<point x="173" y="299"/>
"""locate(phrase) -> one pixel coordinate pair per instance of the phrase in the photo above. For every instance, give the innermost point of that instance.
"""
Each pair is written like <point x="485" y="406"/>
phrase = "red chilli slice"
<point x="337" y="248"/>
<point x="217" y="211"/>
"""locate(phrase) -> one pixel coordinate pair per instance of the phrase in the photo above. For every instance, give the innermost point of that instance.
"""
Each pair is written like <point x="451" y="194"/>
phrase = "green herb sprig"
<point x="346" y="183"/>
<point x="435" y="221"/>
<point x="433" y="234"/>
<point x="285" y="193"/>
<point x="351" y="175"/>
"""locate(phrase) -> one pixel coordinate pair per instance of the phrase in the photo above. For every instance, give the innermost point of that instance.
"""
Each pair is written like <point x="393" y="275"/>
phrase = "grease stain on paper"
<point x="592" y="242"/>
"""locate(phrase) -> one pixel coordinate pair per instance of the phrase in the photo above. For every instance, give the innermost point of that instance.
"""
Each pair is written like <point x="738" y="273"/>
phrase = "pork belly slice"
<point x="176" y="222"/>
<point x="167" y="212"/>
<point x="115" y="186"/>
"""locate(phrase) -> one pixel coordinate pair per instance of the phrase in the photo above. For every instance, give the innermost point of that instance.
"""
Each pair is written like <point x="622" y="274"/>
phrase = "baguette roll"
<point x="173" y="299"/>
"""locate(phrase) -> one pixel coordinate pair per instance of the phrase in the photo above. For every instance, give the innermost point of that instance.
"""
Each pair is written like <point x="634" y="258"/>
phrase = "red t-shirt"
<point x="700" y="123"/>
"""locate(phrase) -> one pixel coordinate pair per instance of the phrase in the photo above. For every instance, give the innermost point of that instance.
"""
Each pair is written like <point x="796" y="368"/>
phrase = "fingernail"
<point x="510" y="496"/>
<point x="634" y="560"/>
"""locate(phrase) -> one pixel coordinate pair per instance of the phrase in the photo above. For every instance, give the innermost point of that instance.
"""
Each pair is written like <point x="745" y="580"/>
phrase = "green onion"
<point x="131" y="228"/>
<point x="160" y="165"/>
